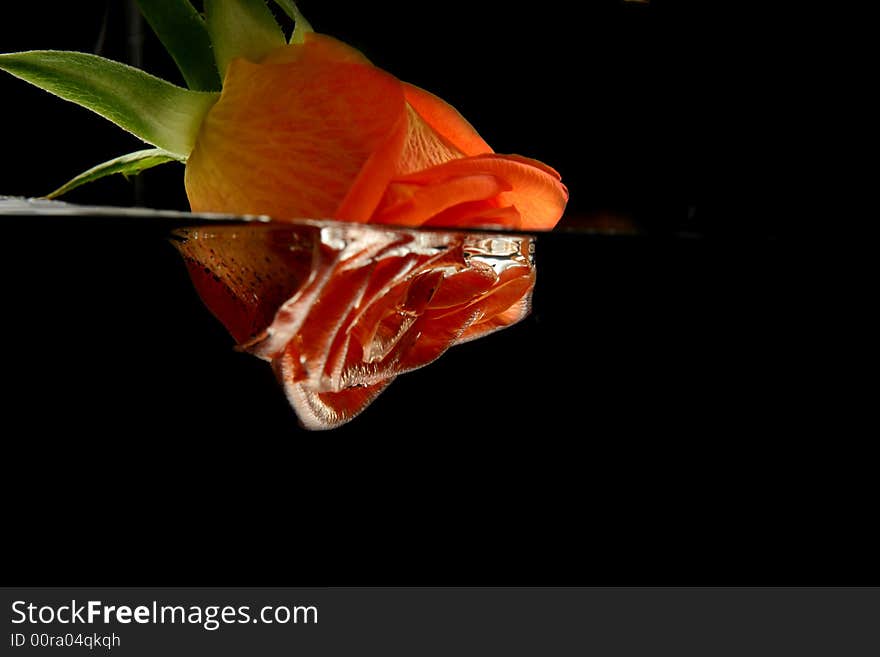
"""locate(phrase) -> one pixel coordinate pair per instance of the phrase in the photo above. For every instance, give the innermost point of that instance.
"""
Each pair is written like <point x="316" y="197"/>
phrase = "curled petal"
<point x="410" y="204"/>
<point x="478" y="214"/>
<point x="532" y="189"/>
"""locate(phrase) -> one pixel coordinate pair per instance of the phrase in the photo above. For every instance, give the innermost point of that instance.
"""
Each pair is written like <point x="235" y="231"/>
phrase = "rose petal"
<point x="243" y="274"/>
<point x="435" y="133"/>
<point x="507" y="303"/>
<point x="431" y="336"/>
<point x="423" y="147"/>
<point x="289" y="140"/>
<point x="326" y="318"/>
<point x="413" y="204"/>
<point x="464" y="287"/>
<point x="323" y="409"/>
<point x="372" y="180"/>
<point x="446" y="121"/>
<point x="412" y="146"/>
<point x="478" y="214"/>
<point x="535" y="191"/>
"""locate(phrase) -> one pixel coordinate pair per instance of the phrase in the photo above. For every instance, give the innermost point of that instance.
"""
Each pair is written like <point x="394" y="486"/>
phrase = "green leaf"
<point x="241" y="28"/>
<point x="182" y="31"/>
<point x="128" y="165"/>
<point x="301" y="25"/>
<point x="160" y="113"/>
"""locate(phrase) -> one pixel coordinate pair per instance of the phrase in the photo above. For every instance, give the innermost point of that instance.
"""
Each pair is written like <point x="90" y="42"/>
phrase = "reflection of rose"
<point x="314" y="130"/>
<point x="340" y="310"/>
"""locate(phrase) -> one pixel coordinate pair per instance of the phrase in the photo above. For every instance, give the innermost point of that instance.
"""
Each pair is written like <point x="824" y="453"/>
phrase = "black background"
<point x="677" y="410"/>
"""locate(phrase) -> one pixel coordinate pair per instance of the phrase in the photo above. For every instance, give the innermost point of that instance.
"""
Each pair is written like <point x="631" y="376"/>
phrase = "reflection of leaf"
<point x="160" y="113"/>
<point x="182" y="31"/>
<point x="128" y="165"/>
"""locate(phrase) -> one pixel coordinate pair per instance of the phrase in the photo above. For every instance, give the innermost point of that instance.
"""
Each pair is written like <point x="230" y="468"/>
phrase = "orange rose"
<point x="306" y="132"/>
<point x="314" y="130"/>
<point x="341" y="310"/>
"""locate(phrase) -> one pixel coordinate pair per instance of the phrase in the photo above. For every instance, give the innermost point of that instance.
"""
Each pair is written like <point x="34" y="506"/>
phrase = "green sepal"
<point x="241" y="28"/>
<point x="128" y="165"/>
<point x="301" y="25"/>
<point x="160" y="113"/>
<point x="182" y="31"/>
